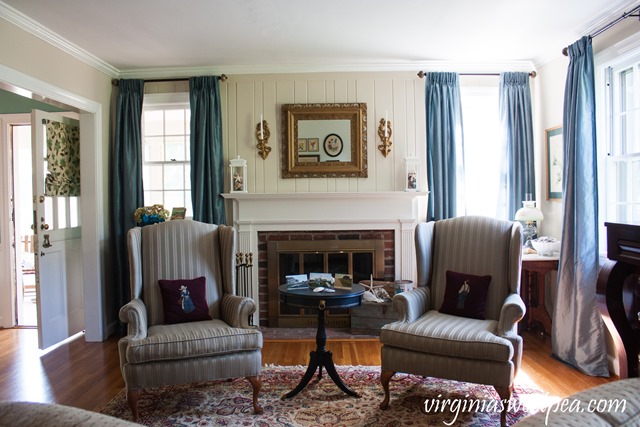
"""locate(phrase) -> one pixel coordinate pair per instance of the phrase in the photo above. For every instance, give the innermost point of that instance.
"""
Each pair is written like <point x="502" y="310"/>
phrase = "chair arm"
<point x="134" y="313"/>
<point x="412" y="304"/>
<point x="513" y="310"/>
<point x="236" y="310"/>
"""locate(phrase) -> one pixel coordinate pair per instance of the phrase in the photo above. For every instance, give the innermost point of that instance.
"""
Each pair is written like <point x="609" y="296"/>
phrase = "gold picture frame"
<point x="317" y="122"/>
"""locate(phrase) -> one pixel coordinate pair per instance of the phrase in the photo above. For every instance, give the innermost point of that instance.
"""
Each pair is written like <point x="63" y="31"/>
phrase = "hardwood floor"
<point x="87" y="375"/>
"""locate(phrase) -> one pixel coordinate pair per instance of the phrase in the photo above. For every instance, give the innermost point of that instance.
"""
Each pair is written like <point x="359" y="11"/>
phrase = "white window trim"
<point x="614" y="56"/>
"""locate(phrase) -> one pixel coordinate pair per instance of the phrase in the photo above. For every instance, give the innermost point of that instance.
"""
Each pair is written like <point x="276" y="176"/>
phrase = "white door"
<point x="58" y="251"/>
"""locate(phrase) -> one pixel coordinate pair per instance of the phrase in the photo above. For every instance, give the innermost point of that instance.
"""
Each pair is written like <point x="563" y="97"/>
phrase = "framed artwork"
<point x="333" y="145"/>
<point x="313" y="145"/>
<point x="555" y="159"/>
<point x="302" y="145"/>
<point x="178" y="213"/>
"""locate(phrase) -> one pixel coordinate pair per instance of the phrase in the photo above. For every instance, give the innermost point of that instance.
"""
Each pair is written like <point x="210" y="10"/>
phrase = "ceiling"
<point x="248" y="36"/>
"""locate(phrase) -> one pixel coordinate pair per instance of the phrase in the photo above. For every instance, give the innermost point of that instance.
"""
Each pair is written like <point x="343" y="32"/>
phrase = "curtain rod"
<point x="609" y="25"/>
<point x="421" y="74"/>
<point x="223" y="77"/>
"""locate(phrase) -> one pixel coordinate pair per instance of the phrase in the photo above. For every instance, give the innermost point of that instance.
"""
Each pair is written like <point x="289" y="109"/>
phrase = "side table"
<point x="534" y="271"/>
<point x="341" y="298"/>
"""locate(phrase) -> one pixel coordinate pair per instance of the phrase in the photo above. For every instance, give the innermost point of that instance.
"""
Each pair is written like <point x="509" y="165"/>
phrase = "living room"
<point x="250" y="94"/>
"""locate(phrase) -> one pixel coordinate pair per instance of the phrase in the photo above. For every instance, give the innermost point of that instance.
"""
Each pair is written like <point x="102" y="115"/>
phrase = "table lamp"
<point x="529" y="214"/>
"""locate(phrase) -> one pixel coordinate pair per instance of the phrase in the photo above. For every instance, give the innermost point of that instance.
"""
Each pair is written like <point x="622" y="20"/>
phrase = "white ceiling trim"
<point x="29" y="25"/>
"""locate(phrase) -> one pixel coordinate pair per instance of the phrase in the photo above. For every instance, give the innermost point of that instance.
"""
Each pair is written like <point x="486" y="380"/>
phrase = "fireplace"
<point x="358" y="253"/>
<point x="354" y="215"/>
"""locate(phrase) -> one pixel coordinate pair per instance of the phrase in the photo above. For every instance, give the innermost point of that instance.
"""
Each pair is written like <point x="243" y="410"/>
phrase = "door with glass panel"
<point x="58" y="260"/>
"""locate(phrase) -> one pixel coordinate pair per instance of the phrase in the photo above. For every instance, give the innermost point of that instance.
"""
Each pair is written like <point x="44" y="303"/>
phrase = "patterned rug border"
<point x="322" y="404"/>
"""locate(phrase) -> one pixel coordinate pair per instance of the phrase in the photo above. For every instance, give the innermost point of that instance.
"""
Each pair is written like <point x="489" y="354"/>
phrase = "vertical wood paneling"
<point x="285" y="94"/>
<point x="384" y="104"/>
<point x="254" y="162"/>
<point x="271" y="171"/>
<point x="397" y="93"/>
<point x="365" y="92"/>
<point x="419" y="127"/>
<point x="245" y="105"/>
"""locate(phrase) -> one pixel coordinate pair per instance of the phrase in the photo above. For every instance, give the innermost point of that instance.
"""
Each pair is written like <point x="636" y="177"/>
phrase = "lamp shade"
<point x="529" y="212"/>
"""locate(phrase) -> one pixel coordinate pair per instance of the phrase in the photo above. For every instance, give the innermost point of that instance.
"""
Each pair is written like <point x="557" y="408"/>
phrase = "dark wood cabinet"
<point x="618" y="294"/>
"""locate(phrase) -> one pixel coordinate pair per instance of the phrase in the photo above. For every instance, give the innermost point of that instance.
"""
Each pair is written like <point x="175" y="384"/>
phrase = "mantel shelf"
<point x="326" y="195"/>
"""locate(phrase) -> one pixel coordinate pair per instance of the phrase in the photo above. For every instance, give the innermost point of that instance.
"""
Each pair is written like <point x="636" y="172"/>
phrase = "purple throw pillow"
<point x="465" y="295"/>
<point x="184" y="300"/>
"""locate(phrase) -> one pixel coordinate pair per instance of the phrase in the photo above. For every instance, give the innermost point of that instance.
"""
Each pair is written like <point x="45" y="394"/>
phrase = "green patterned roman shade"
<point x="63" y="159"/>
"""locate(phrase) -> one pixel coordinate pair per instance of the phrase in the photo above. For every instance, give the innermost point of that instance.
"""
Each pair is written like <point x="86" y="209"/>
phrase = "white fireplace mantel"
<point x="389" y="210"/>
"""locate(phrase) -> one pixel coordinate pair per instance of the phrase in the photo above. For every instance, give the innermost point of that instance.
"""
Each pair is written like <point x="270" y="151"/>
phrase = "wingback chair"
<point x="155" y="353"/>
<point x="426" y="341"/>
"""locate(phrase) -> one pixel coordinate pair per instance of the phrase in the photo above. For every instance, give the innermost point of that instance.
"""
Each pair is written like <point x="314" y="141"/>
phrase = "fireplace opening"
<point x="359" y="254"/>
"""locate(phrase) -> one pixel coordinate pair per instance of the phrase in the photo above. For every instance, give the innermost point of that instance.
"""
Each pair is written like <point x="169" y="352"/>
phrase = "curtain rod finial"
<point x="421" y="74"/>
<point x="223" y="77"/>
<point x="533" y="74"/>
<point x="565" y="51"/>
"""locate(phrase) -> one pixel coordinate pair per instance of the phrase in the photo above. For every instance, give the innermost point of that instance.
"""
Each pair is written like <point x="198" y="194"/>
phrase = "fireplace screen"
<point x="360" y="259"/>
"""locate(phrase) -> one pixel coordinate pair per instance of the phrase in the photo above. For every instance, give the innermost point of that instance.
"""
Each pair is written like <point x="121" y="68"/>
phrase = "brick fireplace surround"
<point x="264" y="237"/>
<point x="258" y="215"/>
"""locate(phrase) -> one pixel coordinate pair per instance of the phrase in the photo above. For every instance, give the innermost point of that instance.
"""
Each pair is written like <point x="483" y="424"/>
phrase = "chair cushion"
<point x="184" y="300"/>
<point x="465" y="295"/>
<point x="190" y="340"/>
<point x="447" y="335"/>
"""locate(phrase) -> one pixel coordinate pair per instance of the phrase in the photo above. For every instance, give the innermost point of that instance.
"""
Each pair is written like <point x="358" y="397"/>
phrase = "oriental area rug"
<point x="415" y="401"/>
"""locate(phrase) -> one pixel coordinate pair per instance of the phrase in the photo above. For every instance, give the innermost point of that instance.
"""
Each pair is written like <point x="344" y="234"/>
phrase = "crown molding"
<point x="22" y="21"/>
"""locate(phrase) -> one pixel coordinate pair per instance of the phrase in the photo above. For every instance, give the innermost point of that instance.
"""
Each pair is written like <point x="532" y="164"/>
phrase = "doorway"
<point x="24" y="282"/>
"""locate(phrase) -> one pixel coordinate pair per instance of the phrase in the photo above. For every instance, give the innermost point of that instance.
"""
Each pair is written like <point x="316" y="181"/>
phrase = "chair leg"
<point x="505" y="394"/>
<point x="256" y="384"/>
<point x="385" y="377"/>
<point x="132" y="400"/>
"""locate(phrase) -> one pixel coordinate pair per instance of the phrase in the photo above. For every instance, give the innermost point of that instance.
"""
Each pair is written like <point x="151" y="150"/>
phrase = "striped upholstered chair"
<point x="155" y="353"/>
<point x="432" y="338"/>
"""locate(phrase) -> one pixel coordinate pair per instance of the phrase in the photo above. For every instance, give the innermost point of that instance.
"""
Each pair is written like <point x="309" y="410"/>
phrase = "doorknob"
<point x="43" y="225"/>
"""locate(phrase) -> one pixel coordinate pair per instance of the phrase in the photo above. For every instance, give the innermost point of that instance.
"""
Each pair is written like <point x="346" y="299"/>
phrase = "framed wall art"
<point x="555" y="159"/>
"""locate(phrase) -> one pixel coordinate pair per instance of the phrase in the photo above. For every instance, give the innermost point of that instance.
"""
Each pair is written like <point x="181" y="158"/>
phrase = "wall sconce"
<point x="263" y="134"/>
<point x="384" y="132"/>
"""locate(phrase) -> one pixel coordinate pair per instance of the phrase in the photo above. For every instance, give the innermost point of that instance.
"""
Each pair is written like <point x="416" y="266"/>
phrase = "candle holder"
<point x="263" y="134"/>
<point x="384" y="132"/>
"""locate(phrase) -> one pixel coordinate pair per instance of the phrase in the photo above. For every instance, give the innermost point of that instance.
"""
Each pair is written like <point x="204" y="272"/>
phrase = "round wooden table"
<point x="306" y="298"/>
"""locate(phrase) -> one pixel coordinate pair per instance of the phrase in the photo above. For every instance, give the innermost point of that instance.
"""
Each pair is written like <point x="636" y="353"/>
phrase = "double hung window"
<point x="622" y="165"/>
<point x="166" y="150"/>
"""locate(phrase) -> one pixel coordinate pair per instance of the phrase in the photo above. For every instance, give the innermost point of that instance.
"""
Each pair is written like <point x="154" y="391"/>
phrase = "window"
<point x="166" y="171"/>
<point x="482" y="147"/>
<point x="622" y="142"/>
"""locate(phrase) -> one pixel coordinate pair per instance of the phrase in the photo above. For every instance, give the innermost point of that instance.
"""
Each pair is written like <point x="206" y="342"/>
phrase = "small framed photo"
<point x="178" y="213"/>
<point x="555" y="158"/>
<point x="302" y="145"/>
<point x="333" y="145"/>
<point x="313" y="145"/>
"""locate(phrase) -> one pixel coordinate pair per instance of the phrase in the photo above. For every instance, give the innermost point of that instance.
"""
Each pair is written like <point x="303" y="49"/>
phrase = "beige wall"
<point x="36" y="58"/>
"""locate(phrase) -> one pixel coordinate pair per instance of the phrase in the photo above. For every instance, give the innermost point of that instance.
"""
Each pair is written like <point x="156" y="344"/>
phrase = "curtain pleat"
<point x="126" y="176"/>
<point x="517" y="124"/>
<point x="444" y="143"/>
<point x="577" y="330"/>
<point x="207" y="170"/>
